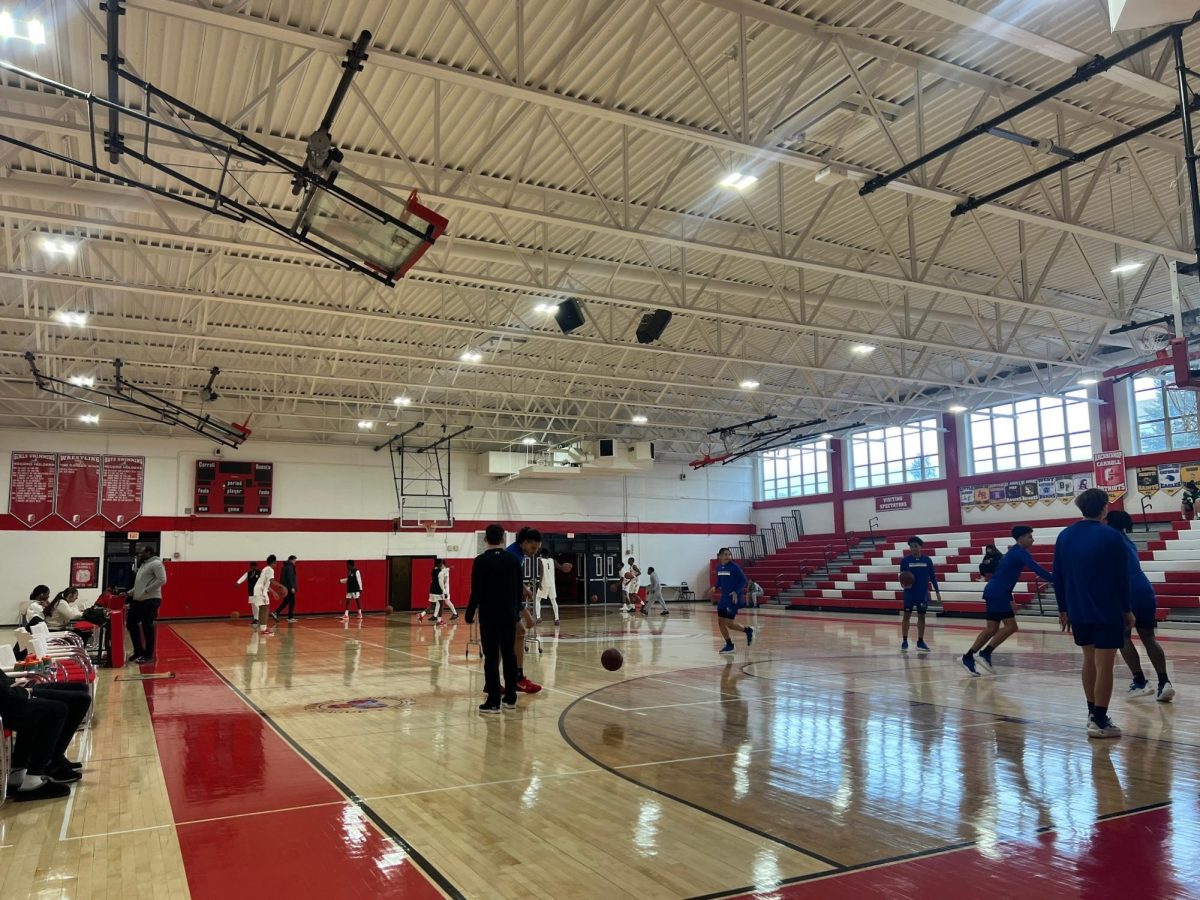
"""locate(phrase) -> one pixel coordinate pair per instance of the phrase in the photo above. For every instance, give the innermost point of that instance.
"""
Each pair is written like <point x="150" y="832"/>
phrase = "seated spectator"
<point x="39" y="598"/>
<point x="58" y="613"/>
<point x="45" y="719"/>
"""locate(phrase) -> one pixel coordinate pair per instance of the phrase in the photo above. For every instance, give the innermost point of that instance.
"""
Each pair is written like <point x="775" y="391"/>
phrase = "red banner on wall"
<point x="31" y="487"/>
<point x="85" y="572"/>
<point x="1108" y="468"/>
<point x="121" y="484"/>
<point x="78" y="495"/>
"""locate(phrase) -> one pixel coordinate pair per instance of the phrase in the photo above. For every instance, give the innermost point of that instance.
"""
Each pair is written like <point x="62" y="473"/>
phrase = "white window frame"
<point x="882" y="466"/>
<point x="1030" y="433"/>
<point x="808" y="471"/>
<point x="1173" y="436"/>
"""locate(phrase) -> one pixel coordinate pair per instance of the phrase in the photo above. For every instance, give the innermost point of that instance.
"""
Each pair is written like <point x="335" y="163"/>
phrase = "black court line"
<point x="381" y="823"/>
<point x="908" y="857"/>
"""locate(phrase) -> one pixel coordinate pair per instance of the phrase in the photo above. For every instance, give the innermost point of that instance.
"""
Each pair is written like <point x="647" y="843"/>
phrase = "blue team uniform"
<point x="731" y="582"/>
<point x="1092" y="582"/>
<point x="1142" y="600"/>
<point x="998" y="593"/>
<point x="921" y="567"/>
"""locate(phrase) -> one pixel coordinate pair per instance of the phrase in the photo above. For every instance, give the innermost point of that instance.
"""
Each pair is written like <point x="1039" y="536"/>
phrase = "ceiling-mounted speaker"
<point x="652" y="326"/>
<point x="569" y="315"/>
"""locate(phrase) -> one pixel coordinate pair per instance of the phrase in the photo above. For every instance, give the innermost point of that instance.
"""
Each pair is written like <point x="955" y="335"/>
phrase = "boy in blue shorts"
<point x="916" y="596"/>
<point x="998" y="599"/>
<point x="1091" y="587"/>
<point x="730" y="588"/>
<point x="1143" y="602"/>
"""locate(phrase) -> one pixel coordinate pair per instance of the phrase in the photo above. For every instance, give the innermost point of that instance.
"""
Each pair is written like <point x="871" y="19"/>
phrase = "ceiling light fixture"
<point x="366" y="425"/>
<point x="1126" y="268"/>
<point x="548" y="308"/>
<point x="57" y="246"/>
<point x="35" y="31"/>
<point x="640" y="420"/>
<point x="958" y="408"/>
<point x="471" y="356"/>
<point x="402" y="401"/>
<point x="71" y="318"/>
<point x="529" y="441"/>
<point x="737" y="181"/>
<point x="82" y="380"/>
<point x="749" y="384"/>
<point x="1088" y="382"/>
<point x="827" y="436"/>
<point x="90" y="418"/>
<point x="863" y="349"/>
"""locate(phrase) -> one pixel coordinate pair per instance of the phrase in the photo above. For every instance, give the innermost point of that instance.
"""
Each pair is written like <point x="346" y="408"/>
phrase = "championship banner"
<point x="1064" y="488"/>
<point x="966" y="496"/>
<point x="31" y="487"/>
<point x="997" y="493"/>
<point x="1189" y="472"/>
<point x="121" y="483"/>
<point x="1169" y="478"/>
<point x="1012" y="492"/>
<point x="78" y="490"/>
<point x="1045" y="488"/>
<point x="1029" y="492"/>
<point x="1082" y="483"/>
<point x="983" y="496"/>
<point x="1108" y="468"/>
<point x="1147" y="480"/>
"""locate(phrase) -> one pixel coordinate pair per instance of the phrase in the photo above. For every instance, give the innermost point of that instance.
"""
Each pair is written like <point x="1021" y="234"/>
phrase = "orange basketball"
<point x="907" y="579"/>
<point x="611" y="659"/>
<point x="277" y="590"/>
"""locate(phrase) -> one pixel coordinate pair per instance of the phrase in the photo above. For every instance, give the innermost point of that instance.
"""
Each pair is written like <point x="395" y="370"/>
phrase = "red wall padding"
<point x="209" y="589"/>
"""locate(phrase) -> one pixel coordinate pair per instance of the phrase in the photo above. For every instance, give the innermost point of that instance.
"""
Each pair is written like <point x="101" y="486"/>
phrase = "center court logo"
<point x="360" y="704"/>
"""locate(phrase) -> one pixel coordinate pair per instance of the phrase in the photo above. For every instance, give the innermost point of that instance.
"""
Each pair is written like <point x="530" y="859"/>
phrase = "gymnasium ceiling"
<point x="576" y="147"/>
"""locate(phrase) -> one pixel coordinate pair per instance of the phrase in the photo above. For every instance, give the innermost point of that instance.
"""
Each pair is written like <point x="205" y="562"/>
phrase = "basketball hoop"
<point x="1152" y="340"/>
<point x="429" y="527"/>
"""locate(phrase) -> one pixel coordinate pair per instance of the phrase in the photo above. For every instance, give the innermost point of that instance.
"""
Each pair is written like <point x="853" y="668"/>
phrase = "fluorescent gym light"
<point x="471" y="356"/>
<point x="1126" y="268"/>
<point x="57" y="246"/>
<point x="366" y="425"/>
<point x="90" y="418"/>
<point x="34" y="31"/>
<point x="827" y="436"/>
<point x="749" y="384"/>
<point x="1089" y="381"/>
<point x="737" y="181"/>
<point x="863" y="349"/>
<point x="958" y="408"/>
<point x="640" y="420"/>
<point x="71" y="318"/>
<point x="548" y="308"/>
<point x="82" y="380"/>
<point x="402" y="401"/>
<point x="529" y="441"/>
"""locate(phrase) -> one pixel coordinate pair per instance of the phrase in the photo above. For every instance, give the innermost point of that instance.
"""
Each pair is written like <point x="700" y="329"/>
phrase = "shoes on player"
<point x="1105" y="729"/>
<point x="922" y="647"/>
<point x="557" y="622"/>
<point x="488" y="709"/>
<point x="749" y="636"/>
<point x="1139" y="687"/>
<point x="537" y="621"/>
<point x="525" y="686"/>
<point x="145" y="660"/>
<point x="420" y="617"/>
<point x="985" y="658"/>
<point x="346" y="614"/>
<point x="967" y="661"/>
<point x="275" y="616"/>
<point x="728" y="648"/>
<point x="265" y="632"/>
<point x="904" y="646"/>
<point x="453" y="617"/>
<point x="293" y="619"/>
<point x="360" y="613"/>
<point x="664" y="613"/>
<point x="1166" y="692"/>
<point x="508" y="705"/>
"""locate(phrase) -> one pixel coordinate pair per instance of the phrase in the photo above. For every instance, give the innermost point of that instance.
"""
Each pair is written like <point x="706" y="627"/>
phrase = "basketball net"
<point x="430" y="527"/>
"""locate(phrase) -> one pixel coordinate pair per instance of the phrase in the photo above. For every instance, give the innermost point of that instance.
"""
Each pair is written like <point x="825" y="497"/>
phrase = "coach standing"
<point x="497" y="592"/>
<point x="145" y="599"/>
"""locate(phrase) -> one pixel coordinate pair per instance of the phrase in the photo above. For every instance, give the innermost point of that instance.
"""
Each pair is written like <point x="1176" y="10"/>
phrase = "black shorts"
<point x="1145" y="619"/>
<point x="727" y="610"/>
<point x="1105" y="636"/>
<point x="998" y="615"/>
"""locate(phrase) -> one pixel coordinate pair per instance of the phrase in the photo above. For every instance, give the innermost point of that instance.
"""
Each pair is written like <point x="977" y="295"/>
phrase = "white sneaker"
<point x="360" y="613"/>
<point x="1108" y="730"/>
<point x="290" y="619"/>
<point x="1166" y="693"/>
<point x="1136" y="691"/>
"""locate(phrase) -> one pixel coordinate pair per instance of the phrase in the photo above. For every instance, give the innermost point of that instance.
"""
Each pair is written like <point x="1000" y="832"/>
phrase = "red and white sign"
<point x="78" y="495"/>
<point x="31" y="487"/>
<point x="1108" y="468"/>
<point x="893" y="502"/>
<point x="85" y="571"/>
<point x="121" y="484"/>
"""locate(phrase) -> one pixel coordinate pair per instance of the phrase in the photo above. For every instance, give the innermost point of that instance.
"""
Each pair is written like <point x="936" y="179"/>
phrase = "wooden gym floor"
<point x="333" y="761"/>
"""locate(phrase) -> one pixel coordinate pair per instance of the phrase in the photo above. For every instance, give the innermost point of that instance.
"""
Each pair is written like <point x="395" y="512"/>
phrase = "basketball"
<point x="594" y="599"/>
<point x="567" y="567"/>
<point x="907" y="579"/>
<point x="611" y="659"/>
<point x="277" y="590"/>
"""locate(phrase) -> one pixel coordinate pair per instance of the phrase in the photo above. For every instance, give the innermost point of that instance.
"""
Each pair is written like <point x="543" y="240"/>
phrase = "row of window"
<point x="1027" y="433"/>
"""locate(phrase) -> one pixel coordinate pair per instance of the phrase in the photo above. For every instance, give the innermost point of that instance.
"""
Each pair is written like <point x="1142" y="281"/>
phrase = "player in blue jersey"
<point x="998" y="599"/>
<point x="730" y="592"/>
<point x="916" y="596"/>
<point x="1143" y="603"/>
<point x="1091" y="587"/>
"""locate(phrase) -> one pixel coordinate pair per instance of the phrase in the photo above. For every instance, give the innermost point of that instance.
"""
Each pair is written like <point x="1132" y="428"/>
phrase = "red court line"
<point x="223" y="763"/>
<point x="1148" y="854"/>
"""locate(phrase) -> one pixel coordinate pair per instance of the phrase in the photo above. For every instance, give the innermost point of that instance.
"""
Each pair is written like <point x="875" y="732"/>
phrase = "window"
<point x="1042" y="431"/>
<point x="796" y="471"/>
<point x="896" y="454"/>
<point x="1164" y="419"/>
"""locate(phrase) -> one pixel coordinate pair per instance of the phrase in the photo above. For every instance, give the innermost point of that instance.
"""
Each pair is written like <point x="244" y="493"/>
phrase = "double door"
<point x="596" y="567"/>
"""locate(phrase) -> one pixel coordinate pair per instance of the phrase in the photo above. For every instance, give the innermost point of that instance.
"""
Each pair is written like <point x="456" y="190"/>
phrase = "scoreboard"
<point x="233" y="488"/>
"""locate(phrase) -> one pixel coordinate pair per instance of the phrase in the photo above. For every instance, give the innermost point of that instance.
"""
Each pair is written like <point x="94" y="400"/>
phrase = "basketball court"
<point x="299" y="300"/>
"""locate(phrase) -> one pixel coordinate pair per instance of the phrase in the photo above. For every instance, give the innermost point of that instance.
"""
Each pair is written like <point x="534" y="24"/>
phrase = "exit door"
<point x="603" y="575"/>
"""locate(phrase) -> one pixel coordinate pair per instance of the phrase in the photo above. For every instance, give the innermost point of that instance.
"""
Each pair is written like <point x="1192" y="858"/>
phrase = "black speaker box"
<point x="652" y="326"/>
<point x="606" y="447"/>
<point x="569" y="315"/>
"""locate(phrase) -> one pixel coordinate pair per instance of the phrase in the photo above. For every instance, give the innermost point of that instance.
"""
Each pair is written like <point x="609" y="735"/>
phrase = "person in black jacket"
<point x="45" y="720"/>
<point x="287" y="577"/>
<point x="497" y="593"/>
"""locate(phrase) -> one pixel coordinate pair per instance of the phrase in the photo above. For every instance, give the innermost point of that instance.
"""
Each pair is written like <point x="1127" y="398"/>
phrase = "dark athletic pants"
<point x="290" y="602"/>
<point x="142" y="614"/>
<point x="498" y="641"/>
<point x="44" y="730"/>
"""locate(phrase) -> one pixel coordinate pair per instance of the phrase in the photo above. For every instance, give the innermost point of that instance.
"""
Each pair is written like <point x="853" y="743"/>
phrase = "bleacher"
<point x="851" y="574"/>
